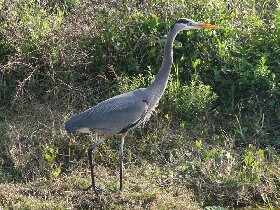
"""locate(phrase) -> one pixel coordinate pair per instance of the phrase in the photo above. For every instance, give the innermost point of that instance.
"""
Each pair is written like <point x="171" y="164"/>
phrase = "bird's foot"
<point x="96" y="190"/>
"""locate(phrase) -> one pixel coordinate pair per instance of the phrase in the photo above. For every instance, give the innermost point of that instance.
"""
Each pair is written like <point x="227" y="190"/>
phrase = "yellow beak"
<point x="204" y="25"/>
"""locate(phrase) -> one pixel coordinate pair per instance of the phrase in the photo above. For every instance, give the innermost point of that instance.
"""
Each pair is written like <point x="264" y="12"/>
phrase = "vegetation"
<point x="214" y="140"/>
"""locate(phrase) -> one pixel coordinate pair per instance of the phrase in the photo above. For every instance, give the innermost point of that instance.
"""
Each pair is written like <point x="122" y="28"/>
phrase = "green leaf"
<point x="56" y="172"/>
<point x="277" y="19"/>
<point x="196" y="63"/>
<point x="177" y="44"/>
<point x="198" y="144"/>
<point x="209" y="154"/>
<point x="50" y="158"/>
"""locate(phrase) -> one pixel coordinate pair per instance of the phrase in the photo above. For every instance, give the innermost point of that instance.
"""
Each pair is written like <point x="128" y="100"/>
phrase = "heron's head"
<point x="186" y="24"/>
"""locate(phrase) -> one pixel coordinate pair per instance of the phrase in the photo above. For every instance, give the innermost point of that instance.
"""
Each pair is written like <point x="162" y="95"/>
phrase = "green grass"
<point x="213" y="142"/>
<point x="164" y="168"/>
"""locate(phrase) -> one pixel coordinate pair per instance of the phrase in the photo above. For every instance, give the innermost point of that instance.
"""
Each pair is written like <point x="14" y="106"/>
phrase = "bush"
<point x="58" y="58"/>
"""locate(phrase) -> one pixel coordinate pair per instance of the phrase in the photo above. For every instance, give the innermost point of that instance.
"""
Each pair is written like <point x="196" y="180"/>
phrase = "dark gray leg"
<point x="90" y="150"/>
<point x="121" y="162"/>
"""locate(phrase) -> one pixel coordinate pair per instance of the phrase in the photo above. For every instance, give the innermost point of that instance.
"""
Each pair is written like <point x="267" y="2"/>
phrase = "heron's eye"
<point x="190" y="23"/>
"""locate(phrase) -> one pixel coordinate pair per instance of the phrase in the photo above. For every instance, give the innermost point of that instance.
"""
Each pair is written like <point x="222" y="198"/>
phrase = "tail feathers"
<point x="74" y="123"/>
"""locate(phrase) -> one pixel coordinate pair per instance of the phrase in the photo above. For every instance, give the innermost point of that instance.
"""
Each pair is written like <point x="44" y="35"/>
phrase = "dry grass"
<point x="142" y="190"/>
<point x="219" y="153"/>
<point x="163" y="170"/>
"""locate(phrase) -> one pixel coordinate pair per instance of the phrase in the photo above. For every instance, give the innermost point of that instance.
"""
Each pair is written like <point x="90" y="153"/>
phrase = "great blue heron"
<point x="123" y="112"/>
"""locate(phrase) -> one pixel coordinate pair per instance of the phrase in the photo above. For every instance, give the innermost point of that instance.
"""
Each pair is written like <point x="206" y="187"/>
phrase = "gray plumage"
<point x="121" y="113"/>
<point x="112" y="115"/>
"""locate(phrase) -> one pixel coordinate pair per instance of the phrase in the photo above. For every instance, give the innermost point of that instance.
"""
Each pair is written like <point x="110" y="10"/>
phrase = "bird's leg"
<point x="121" y="161"/>
<point x="90" y="150"/>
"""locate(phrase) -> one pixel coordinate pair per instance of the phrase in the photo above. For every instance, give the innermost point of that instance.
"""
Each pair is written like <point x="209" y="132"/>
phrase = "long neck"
<point x="158" y="86"/>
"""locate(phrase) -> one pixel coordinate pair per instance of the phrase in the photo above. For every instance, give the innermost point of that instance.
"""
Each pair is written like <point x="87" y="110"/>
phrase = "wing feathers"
<point x="111" y="115"/>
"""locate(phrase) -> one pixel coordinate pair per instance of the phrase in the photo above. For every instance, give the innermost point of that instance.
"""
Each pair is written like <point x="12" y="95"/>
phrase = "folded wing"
<point x="112" y="115"/>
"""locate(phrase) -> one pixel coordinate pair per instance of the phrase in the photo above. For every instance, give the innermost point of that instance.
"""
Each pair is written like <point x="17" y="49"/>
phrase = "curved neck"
<point x="160" y="82"/>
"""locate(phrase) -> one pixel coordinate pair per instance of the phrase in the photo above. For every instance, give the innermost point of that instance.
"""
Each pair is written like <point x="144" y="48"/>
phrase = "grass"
<point x="147" y="192"/>
<point x="165" y="168"/>
<point x="213" y="142"/>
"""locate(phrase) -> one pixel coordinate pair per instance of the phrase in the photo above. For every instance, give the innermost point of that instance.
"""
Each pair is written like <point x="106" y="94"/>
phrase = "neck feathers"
<point x="158" y="86"/>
